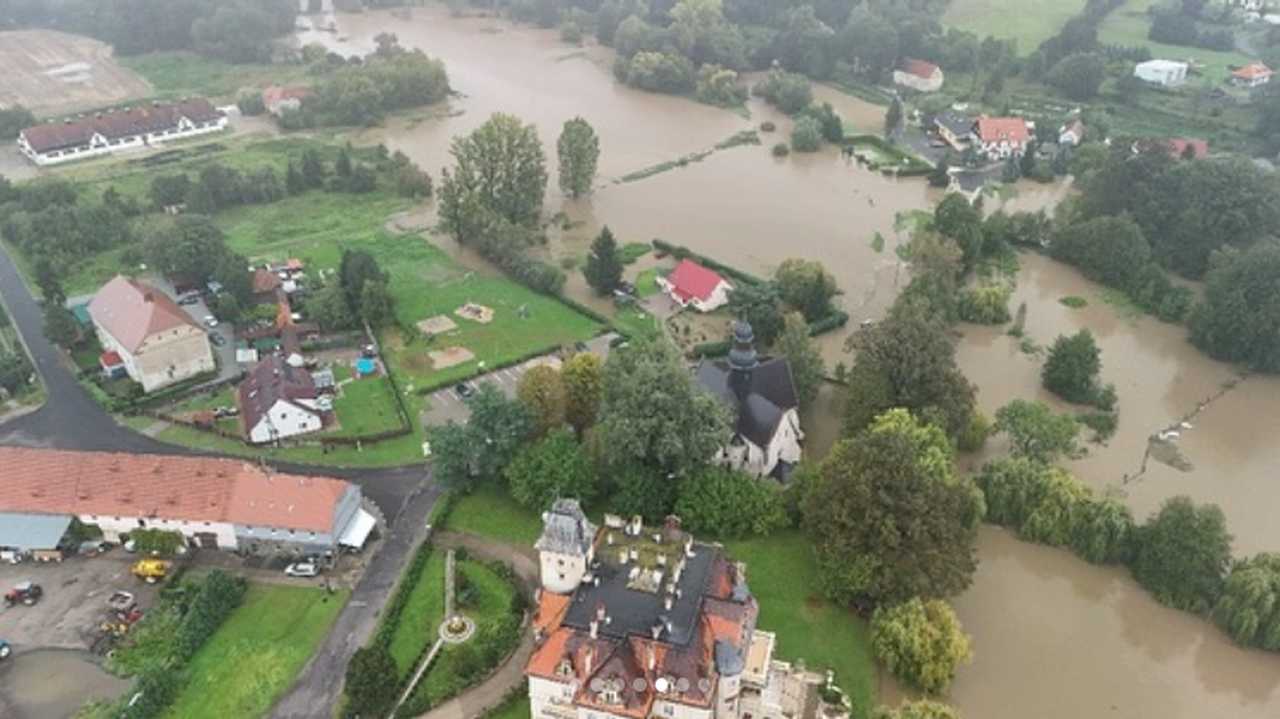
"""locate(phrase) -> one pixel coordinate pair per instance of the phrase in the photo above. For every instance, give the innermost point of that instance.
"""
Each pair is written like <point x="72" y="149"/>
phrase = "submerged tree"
<point x="579" y="151"/>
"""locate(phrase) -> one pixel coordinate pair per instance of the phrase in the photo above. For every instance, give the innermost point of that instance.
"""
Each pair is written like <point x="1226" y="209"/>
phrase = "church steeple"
<point x="742" y="358"/>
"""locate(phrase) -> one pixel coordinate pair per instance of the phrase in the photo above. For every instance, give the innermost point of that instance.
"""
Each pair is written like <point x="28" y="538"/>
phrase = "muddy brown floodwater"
<point x="1054" y="637"/>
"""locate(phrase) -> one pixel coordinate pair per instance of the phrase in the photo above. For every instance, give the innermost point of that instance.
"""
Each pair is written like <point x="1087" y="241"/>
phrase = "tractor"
<point x="26" y="593"/>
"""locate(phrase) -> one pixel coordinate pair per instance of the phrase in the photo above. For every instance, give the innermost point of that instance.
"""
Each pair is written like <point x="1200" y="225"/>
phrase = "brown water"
<point x="53" y="683"/>
<point x="1054" y="637"/>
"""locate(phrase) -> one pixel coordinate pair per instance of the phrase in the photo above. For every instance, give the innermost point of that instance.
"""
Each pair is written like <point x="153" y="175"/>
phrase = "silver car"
<point x="302" y="569"/>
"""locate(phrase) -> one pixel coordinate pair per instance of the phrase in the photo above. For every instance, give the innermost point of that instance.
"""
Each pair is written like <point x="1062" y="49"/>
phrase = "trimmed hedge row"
<point x="831" y="322"/>
<point x="681" y="252"/>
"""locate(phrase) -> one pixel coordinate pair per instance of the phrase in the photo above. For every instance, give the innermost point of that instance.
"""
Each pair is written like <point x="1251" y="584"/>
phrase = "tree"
<point x="941" y="174"/>
<point x="920" y="642"/>
<point x="1110" y="250"/>
<point x="1036" y="432"/>
<point x="355" y="269"/>
<point x="604" y="267"/>
<point x="893" y="117"/>
<point x="549" y="469"/>
<point x="328" y="306"/>
<point x="376" y="304"/>
<point x="806" y="136"/>
<point x="958" y="220"/>
<point x="643" y="491"/>
<point x="675" y="430"/>
<point x="727" y="504"/>
<point x="579" y="151"/>
<point x="908" y="361"/>
<point x="1071" y="371"/>
<point x="501" y="425"/>
<point x="372" y="679"/>
<point x="502" y="166"/>
<point x="542" y="392"/>
<point x="1249" y="607"/>
<point x="807" y="368"/>
<point x="342" y="166"/>
<point x="919" y="709"/>
<point x="15" y="371"/>
<point x="313" y="169"/>
<point x="190" y="248"/>
<point x="658" y="72"/>
<point x="787" y="91"/>
<point x="60" y="325"/>
<point x="583" y="379"/>
<point x="1239" y="319"/>
<point x="807" y="286"/>
<point x="13" y="120"/>
<point x="719" y="85"/>
<point x="1182" y="554"/>
<point x="455" y="449"/>
<point x="760" y="305"/>
<point x="168" y="190"/>
<point x="986" y="304"/>
<point x="890" y="518"/>
<point x="693" y="26"/>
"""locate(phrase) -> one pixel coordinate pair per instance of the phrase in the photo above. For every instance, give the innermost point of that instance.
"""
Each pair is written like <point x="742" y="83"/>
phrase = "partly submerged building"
<point x="636" y="622"/>
<point x="761" y="394"/>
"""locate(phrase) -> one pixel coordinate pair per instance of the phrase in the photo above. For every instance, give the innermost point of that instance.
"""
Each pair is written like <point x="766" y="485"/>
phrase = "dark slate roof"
<point x="270" y="380"/>
<point x="959" y="125"/>
<point x="759" y="397"/>
<point x="637" y="612"/>
<point x="566" y="529"/>
<point x="729" y="659"/>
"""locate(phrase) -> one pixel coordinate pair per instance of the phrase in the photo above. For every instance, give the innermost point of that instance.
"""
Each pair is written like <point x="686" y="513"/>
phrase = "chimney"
<point x="656" y="629"/>
<point x="595" y="629"/>
<point x="653" y="658"/>
<point x="591" y="659"/>
<point x="622" y="556"/>
<point x="600" y="611"/>
<point x="666" y="602"/>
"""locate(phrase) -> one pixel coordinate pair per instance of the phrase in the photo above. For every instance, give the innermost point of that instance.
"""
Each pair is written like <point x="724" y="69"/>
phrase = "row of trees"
<point x="236" y="31"/>
<point x="361" y="93"/>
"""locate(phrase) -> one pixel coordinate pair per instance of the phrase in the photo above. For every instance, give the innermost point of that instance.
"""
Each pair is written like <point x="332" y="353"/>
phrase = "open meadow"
<point x="1030" y="22"/>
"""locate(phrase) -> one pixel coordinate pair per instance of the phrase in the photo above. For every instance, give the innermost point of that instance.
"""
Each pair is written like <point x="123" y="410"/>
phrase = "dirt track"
<point x="54" y="73"/>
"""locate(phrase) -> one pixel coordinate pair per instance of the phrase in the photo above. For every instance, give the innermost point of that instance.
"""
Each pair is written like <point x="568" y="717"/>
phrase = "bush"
<point x="768" y="126"/>
<point x="1249" y="608"/>
<point x="660" y="72"/>
<point x="729" y="504"/>
<point x="372" y="682"/>
<point x="1071" y="372"/>
<point x="643" y="491"/>
<point x="974" y="436"/>
<point x="781" y="149"/>
<point x="1181" y="555"/>
<point x="218" y="596"/>
<point x="160" y="542"/>
<point x="548" y="469"/>
<point x="787" y="91"/>
<point x="919" y="709"/>
<point x="986" y="305"/>
<point x="806" y="136"/>
<point x="718" y="85"/>
<point x="920" y="642"/>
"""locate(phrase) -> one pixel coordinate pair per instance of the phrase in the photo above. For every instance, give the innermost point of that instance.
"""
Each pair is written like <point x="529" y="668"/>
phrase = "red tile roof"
<point x="272" y="380"/>
<point x="1253" y="71"/>
<point x="118" y="124"/>
<point x="1012" y="130"/>
<point x="691" y="280"/>
<point x="274" y="94"/>
<point x="265" y="281"/>
<point x="920" y="68"/>
<point x="45" y="481"/>
<point x="110" y="359"/>
<point x="131" y="311"/>
<point x="1178" y="147"/>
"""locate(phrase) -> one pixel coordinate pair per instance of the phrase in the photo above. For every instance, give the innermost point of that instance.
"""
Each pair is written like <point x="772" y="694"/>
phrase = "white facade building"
<point x="692" y="285"/>
<point x="1168" y="73"/>
<point x="102" y="134"/>
<point x="156" y="339"/>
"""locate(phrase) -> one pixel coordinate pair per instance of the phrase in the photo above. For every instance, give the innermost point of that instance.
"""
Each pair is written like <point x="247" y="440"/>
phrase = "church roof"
<point x="759" y="397"/>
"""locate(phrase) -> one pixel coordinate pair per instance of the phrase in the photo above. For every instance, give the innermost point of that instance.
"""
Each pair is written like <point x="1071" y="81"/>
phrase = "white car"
<point x="210" y="321"/>
<point x="302" y="569"/>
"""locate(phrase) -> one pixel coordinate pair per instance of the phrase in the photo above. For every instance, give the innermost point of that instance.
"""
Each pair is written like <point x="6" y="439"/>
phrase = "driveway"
<point x="198" y="311"/>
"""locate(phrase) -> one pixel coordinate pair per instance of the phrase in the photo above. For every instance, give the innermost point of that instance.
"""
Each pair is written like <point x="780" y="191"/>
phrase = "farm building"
<point x="692" y="284"/>
<point x="145" y="330"/>
<point x="107" y="132"/>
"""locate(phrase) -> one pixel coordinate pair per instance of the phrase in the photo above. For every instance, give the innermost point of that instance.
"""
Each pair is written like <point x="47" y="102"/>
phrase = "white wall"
<point x="285" y="419"/>
<point x="719" y="297"/>
<point x="933" y="83"/>
<point x="561" y="573"/>
<point x="550" y="699"/>
<point x="100" y="146"/>
<point x="113" y="527"/>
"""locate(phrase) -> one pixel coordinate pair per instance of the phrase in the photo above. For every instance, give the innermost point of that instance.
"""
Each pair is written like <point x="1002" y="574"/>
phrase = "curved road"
<point x="70" y="419"/>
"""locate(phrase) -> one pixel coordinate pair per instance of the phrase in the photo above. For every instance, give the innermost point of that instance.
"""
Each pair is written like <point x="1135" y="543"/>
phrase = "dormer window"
<point x="564" y="668"/>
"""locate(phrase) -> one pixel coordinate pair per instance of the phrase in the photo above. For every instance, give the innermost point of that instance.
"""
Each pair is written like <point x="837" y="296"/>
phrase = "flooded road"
<point x="53" y="684"/>
<point x="1054" y="637"/>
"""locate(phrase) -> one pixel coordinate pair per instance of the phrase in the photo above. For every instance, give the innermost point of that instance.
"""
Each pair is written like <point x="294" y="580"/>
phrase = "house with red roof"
<point x="215" y="503"/>
<point x="1002" y="137"/>
<point x="691" y="284"/>
<point x="106" y="132"/>
<point x="919" y="75"/>
<point x="155" y="339"/>
<point x="278" y="400"/>
<point x="278" y="99"/>
<point x="1254" y="74"/>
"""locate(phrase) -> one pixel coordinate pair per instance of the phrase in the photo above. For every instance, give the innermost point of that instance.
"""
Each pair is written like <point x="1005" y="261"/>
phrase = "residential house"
<point x="107" y="132"/>
<point x="669" y="631"/>
<point x="918" y="75"/>
<point x="266" y="286"/>
<point x="692" y="284"/>
<point x="761" y="395"/>
<point x="1255" y="74"/>
<point x="954" y="129"/>
<point x="214" y="503"/>
<point x="1167" y="73"/>
<point x="277" y="100"/>
<point x="1071" y="134"/>
<point x="159" y="343"/>
<point x="1000" y="138"/>
<point x="278" y="400"/>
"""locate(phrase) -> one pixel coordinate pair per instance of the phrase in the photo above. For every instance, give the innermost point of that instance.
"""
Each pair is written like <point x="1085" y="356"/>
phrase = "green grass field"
<point x="421" y="616"/>
<point x="255" y="655"/>
<point x="1030" y="22"/>
<point x="1129" y="24"/>
<point x="491" y="512"/>
<point x="366" y="406"/>
<point x="516" y="707"/>
<point x="186" y="74"/>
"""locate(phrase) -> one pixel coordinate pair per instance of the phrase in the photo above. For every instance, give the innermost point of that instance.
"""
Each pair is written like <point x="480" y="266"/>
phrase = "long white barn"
<point x="104" y="133"/>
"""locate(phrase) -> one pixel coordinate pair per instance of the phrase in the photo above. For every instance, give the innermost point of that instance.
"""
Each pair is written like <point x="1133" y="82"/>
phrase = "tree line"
<point x="236" y="31"/>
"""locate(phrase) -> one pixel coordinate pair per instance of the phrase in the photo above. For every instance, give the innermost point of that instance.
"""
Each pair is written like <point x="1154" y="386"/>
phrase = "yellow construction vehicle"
<point x="151" y="570"/>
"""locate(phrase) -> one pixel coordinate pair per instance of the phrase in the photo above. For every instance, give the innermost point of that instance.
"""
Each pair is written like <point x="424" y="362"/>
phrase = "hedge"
<point x="683" y="252"/>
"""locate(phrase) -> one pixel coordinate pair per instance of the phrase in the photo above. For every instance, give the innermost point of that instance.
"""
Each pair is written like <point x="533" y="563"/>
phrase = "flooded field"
<point x="52" y="684"/>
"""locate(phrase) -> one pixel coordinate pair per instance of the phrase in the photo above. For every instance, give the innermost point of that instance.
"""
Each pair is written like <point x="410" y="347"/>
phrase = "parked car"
<point x="464" y="390"/>
<point x="189" y="298"/>
<point x="217" y="339"/>
<point x="121" y="601"/>
<point x="302" y="569"/>
<point x="5" y="649"/>
<point x="210" y="321"/>
<point x="92" y="548"/>
<point x="26" y="593"/>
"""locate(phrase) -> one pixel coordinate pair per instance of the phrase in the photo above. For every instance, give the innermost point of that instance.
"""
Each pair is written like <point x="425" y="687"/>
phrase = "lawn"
<point x="1030" y="22"/>
<point x="421" y="618"/>
<point x="366" y="406"/>
<point x="517" y="707"/>
<point x="255" y="655"/>
<point x="647" y="282"/>
<point x="490" y="604"/>
<point x="225" y="397"/>
<point x="784" y="578"/>
<point x="1129" y="24"/>
<point x="184" y="74"/>
<point x="491" y="512"/>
